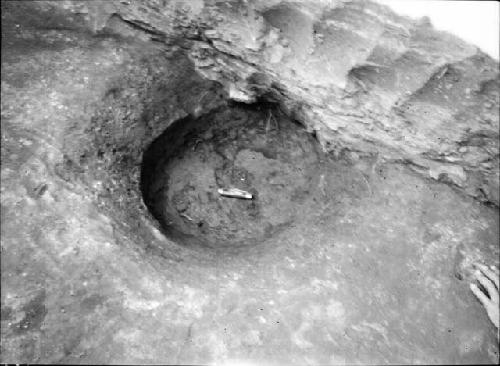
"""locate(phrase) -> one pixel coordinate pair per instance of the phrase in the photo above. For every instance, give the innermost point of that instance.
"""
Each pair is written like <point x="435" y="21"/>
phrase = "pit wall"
<point x="104" y="154"/>
<point x="137" y="106"/>
<point x="110" y="95"/>
<point x="362" y="78"/>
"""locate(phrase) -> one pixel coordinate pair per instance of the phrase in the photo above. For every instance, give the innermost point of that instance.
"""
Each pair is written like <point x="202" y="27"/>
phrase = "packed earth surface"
<point x="373" y="174"/>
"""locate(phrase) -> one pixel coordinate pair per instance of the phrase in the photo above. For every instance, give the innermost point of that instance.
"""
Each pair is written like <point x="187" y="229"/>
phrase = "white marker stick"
<point x="235" y="193"/>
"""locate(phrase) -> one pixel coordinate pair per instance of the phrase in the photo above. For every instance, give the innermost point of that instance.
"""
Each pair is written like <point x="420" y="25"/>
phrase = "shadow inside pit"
<point x="253" y="148"/>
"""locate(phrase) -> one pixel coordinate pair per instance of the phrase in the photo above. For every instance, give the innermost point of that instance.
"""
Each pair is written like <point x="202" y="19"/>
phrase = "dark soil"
<point x="254" y="149"/>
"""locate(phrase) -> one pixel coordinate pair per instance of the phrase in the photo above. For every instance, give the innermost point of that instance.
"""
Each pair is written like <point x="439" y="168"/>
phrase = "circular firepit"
<point x="253" y="149"/>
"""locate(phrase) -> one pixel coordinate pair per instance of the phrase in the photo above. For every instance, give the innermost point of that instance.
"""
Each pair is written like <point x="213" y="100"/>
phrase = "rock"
<point x="240" y="95"/>
<point x="211" y="33"/>
<point x="453" y="172"/>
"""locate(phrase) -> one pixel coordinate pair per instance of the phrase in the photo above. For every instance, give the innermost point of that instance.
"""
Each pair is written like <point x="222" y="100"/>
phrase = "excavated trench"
<point x="252" y="148"/>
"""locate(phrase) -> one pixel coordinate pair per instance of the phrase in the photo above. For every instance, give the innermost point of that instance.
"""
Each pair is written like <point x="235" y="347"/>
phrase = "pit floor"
<point x="378" y="273"/>
<point x="246" y="147"/>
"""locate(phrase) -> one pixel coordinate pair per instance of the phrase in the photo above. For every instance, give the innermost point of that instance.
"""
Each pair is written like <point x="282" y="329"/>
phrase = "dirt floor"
<point x="338" y="259"/>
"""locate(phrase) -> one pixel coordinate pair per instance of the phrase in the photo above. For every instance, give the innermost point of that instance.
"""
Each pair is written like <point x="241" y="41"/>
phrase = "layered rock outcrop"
<point x="363" y="78"/>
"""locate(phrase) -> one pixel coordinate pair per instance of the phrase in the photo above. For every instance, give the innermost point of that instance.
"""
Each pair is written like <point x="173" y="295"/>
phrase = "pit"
<point x="256" y="149"/>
